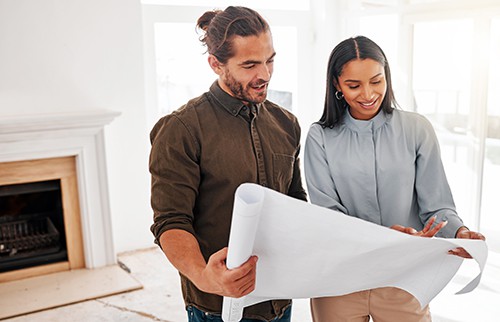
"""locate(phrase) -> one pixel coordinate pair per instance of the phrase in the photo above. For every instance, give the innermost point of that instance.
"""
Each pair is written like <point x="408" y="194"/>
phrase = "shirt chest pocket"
<point x="282" y="171"/>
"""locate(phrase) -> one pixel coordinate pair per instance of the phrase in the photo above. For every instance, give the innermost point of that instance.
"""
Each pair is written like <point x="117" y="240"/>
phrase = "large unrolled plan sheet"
<point x="309" y="251"/>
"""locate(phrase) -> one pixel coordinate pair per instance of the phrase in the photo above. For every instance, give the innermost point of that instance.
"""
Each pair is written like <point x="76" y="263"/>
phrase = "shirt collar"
<point x="231" y="104"/>
<point x="366" y="125"/>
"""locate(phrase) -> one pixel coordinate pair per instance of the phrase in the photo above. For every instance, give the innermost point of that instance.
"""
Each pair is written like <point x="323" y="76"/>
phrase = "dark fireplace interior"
<point x="31" y="225"/>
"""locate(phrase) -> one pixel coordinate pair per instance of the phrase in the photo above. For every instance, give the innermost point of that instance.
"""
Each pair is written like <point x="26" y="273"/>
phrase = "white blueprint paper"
<point x="309" y="251"/>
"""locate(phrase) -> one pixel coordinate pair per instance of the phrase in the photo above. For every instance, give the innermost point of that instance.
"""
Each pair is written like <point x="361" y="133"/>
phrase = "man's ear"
<point x="215" y="65"/>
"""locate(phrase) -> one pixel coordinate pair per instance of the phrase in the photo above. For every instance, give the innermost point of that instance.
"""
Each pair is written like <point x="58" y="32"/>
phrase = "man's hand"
<point x="183" y="251"/>
<point x="216" y="278"/>
<point x="464" y="232"/>
<point x="425" y="232"/>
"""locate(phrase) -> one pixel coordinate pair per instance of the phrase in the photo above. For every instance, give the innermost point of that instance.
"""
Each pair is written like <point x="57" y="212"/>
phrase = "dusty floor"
<point x="160" y="299"/>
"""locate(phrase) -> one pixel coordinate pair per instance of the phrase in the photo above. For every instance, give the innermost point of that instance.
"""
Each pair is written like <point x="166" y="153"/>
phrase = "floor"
<point x="160" y="298"/>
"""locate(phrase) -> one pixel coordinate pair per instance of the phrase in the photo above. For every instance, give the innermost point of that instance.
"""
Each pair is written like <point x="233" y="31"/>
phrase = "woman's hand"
<point x="425" y="232"/>
<point x="464" y="232"/>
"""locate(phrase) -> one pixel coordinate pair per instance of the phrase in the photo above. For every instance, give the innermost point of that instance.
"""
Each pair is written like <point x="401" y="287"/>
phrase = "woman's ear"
<point x="215" y="64"/>
<point x="336" y="85"/>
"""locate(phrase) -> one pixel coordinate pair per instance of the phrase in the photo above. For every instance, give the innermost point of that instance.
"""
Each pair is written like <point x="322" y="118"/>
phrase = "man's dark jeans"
<point x="195" y="315"/>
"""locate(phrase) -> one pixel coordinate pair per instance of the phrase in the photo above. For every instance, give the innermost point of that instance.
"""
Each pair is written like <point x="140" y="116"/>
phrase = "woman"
<point x="369" y="160"/>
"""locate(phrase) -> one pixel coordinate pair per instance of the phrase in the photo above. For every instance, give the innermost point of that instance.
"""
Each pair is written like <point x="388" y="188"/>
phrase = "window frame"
<point x="153" y="14"/>
<point x="482" y="12"/>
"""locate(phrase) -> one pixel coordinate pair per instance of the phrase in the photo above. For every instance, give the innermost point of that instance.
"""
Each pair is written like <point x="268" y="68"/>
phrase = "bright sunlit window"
<point x="448" y="69"/>
<point x="442" y="94"/>
<point x="439" y="71"/>
<point x="445" y="65"/>
<point x="257" y="4"/>
<point x="490" y="205"/>
<point x="182" y="71"/>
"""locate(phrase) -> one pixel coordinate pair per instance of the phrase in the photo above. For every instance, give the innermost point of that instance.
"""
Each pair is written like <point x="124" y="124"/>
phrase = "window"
<point x="447" y="69"/>
<point x="441" y="89"/>
<point x="490" y="203"/>
<point x="176" y="63"/>
<point x="182" y="70"/>
<point x="256" y="4"/>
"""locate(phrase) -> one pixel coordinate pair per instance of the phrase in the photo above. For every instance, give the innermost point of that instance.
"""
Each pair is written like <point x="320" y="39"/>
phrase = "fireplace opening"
<point x="31" y="225"/>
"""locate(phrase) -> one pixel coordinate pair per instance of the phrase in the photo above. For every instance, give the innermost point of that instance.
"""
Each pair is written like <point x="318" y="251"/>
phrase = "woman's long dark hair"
<point x="359" y="47"/>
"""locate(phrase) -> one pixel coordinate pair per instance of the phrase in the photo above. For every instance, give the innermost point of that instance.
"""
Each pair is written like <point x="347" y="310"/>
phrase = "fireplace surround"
<point x="66" y="147"/>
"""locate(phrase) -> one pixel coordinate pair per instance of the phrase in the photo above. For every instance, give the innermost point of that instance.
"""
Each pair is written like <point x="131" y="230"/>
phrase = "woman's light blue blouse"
<point x="386" y="170"/>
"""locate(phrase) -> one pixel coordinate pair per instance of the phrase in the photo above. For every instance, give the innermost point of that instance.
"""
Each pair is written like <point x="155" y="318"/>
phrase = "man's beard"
<point x="243" y="94"/>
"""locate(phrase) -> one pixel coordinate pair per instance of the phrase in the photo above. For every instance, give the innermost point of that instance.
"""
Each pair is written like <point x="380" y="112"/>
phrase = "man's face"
<point x="246" y="75"/>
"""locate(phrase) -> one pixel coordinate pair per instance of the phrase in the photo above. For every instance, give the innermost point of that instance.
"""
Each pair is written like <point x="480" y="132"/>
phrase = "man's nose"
<point x="264" y="72"/>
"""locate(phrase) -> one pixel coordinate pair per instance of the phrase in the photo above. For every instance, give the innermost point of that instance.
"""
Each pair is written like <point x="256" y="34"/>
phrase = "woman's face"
<point x="364" y="85"/>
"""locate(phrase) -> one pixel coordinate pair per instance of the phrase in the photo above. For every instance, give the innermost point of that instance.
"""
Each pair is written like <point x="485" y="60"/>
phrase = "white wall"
<point x="62" y="55"/>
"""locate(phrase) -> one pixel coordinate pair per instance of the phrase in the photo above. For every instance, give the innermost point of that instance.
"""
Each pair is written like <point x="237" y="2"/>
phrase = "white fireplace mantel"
<point x="79" y="134"/>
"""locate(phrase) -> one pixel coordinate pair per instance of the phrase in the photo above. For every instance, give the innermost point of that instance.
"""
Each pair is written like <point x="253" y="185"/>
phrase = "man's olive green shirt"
<point x="200" y="154"/>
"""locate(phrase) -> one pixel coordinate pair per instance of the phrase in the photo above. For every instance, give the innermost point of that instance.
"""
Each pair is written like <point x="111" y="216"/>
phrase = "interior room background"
<point x="143" y="60"/>
<point x="444" y="56"/>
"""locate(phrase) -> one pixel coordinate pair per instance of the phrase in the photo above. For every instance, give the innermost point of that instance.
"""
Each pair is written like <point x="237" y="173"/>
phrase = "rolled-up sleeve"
<point x="175" y="176"/>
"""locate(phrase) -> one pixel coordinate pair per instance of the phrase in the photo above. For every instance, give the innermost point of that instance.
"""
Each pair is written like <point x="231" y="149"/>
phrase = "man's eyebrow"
<point x="250" y="61"/>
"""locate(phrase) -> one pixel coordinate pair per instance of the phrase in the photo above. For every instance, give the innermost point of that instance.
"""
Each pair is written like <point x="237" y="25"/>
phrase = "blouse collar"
<point x="366" y="125"/>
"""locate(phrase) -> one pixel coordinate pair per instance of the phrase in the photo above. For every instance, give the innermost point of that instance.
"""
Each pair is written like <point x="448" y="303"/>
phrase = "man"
<point x="203" y="151"/>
